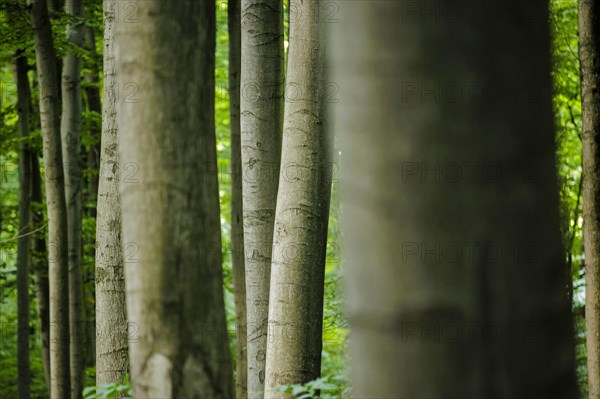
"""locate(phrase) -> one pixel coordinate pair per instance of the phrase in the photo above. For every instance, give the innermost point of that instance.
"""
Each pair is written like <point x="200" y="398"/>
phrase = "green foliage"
<point x="120" y="390"/>
<point x="8" y="346"/>
<point x="9" y="196"/>
<point x="567" y="113"/>
<point x="325" y="388"/>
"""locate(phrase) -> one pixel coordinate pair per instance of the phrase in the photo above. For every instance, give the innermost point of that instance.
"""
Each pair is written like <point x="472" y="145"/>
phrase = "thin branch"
<point x="17" y="236"/>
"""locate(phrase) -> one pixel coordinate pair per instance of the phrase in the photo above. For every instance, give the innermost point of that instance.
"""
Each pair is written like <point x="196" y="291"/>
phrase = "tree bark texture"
<point x="169" y="201"/>
<point x="261" y="122"/>
<point x="55" y="201"/>
<point x="300" y="235"/>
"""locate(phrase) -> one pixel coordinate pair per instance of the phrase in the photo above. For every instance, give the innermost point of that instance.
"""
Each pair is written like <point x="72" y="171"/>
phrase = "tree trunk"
<point x="589" y="54"/>
<point x="169" y="201"/>
<point x="455" y="271"/>
<point x="261" y="94"/>
<point x="300" y="238"/>
<point x="55" y="201"/>
<point x="112" y="360"/>
<point x="23" y="245"/>
<point x="40" y="267"/>
<point x="71" y="149"/>
<point x="237" y="226"/>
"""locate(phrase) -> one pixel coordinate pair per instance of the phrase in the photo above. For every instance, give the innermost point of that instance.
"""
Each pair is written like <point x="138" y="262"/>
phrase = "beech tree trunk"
<point x="23" y="244"/>
<point x="455" y="271"/>
<point x="169" y="201"/>
<point x="237" y="226"/>
<point x="55" y="201"/>
<point x="71" y="149"/>
<point x="589" y="55"/>
<point x="261" y="122"/>
<point x="112" y="361"/>
<point x="300" y="237"/>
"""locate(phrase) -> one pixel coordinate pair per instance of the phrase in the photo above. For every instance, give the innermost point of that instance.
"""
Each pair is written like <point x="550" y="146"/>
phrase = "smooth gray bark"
<point x="300" y="236"/>
<point x="237" y="225"/>
<point x="170" y="205"/>
<point x="261" y="123"/>
<point x="71" y="149"/>
<point x="455" y="272"/>
<point x="55" y="201"/>
<point x="112" y="360"/>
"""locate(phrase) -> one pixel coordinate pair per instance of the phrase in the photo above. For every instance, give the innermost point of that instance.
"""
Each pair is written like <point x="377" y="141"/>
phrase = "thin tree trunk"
<point x="300" y="237"/>
<point x="112" y="360"/>
<point x="71" y="149"/>
<point x="237" y="226"/>
<point x="55" y="201"/>
<point x="24" y="248"/>
<point x="455" y="271"/>
<point x="261" y="122"/>
<point x="169" y="201"/>
<point x="40" y="267"/>
<point x="38" y="258"/>
<point x="589" y="54"/>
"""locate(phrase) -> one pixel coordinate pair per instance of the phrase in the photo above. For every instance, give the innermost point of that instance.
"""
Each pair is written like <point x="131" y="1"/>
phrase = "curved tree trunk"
<point x="237" y="226"/>
<point x="23" y="245"/>
<point x="261" y="121"/>
<point x="589" y="54"/>
<point x="455" y="276"/>
<point x="71" y="149"/>
<point x="300" y="238"/>
<point x="55" y="201"/>
<point x="112" y="361"/>
<point x="169" y="201"/>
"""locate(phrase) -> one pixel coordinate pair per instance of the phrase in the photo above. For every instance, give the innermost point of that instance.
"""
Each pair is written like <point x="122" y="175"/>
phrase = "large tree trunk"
<point x="55" y="201"/>
<point x="23" y="245"/>
<point x="40" y="267"/>
<point x="169" y="201"/>
<point x="300" y="238"/>
<point x="261" y="121"/>
<point x="589" y="54"/>
<point x="237" y="226"/>
<point x="455" y="271"/>
<point x="112" y="361"/>
<point x="71" y="149"/>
